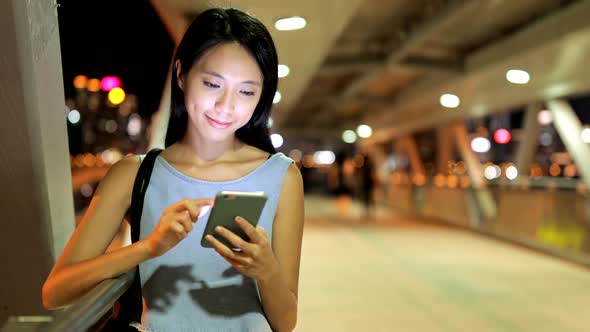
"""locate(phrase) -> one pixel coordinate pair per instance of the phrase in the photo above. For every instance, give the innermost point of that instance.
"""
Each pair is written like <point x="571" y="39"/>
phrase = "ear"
<point x="179" y="77"/>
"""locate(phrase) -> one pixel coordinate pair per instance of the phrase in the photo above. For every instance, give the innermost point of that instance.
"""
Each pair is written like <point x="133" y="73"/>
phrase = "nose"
<point x="225" y="102"/>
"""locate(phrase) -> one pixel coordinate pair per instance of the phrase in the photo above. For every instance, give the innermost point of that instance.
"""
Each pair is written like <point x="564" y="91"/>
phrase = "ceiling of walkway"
<point x="387" y="62"/>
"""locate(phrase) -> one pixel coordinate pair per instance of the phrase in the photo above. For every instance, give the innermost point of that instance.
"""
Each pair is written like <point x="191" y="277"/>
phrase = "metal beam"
<point x="454" y="11"/>
<point x="416" y="107"/>
<point x="449" y="15"/>
<point x="569" y="127"/>
<point x="528" y="142"/>
<point x="176" y="23"/>
<point x="485" y="201"/>
<point x="411" y="149"/>
<point x="337" y="67"/>
<point x="455" y="66"/>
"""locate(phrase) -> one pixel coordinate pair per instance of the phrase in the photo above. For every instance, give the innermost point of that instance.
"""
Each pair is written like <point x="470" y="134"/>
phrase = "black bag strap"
<point x="140" y="185"/>
<point x="131" y="306"/>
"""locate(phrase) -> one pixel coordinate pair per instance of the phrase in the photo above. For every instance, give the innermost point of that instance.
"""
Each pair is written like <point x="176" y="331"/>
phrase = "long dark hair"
<point x="217" y="26"/>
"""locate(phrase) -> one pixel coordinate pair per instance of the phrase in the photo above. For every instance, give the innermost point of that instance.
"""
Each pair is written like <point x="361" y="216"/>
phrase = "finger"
<point x="239" y="264"/>
<point x="203" y="201"/>
<point x="234" y="239"/>
<point x="248" y="229"/>
<point x="231" y="256"/>
<point x="262" y="232"/>
<point x="186" y="204"/>
<point x="185" y="220"/>
<point x="177" y="228"/>
<point x="192" y="205"/>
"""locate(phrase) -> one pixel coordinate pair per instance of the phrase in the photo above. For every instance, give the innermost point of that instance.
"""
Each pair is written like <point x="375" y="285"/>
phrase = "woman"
<point x="225" y="79"/>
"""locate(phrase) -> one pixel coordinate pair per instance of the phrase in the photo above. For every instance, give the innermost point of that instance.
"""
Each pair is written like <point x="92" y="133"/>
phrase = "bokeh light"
<point x="116" y="96"/>
<point x="364" y="131"/>
<point x="283" y="71"/>
<point x="296" y="155"/>
<point x="74" y="116"/>
<point x="349" y="136"/>
<point x="502" y="136"/>
<point x="134" y="125"/>
<point x="545" y="117"/>
<point x="93" y="85"/>
<point x="277" y="140"/>
<point x="511" y="172"/>
<point x="324" y="157"/>
<point x="450" y="100"/>
<point x="108" y="83"/>
<point x="491" y="172"/>
<point x="290" y="23"/>
<point x="480" y="144"/>
<point x="80" y="82"/>
<point x="277" y="98"/>
<point x="517" y="76"/>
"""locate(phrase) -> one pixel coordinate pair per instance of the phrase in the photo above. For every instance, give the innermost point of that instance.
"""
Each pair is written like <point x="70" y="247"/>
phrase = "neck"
<point x="203" y="150"/>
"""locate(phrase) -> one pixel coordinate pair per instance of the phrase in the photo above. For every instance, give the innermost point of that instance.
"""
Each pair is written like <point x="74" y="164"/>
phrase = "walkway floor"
<point x="394" y="274"/>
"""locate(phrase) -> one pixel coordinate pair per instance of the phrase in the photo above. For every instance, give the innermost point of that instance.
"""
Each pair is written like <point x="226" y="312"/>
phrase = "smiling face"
<point x="221" y="91"/>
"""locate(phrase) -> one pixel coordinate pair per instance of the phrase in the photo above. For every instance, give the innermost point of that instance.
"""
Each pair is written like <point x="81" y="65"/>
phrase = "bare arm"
<point x="82" y="264"/>
<point x="279" y="291"/>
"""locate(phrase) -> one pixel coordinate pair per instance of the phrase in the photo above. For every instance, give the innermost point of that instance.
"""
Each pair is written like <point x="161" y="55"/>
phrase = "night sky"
<point x="124" y="38"/>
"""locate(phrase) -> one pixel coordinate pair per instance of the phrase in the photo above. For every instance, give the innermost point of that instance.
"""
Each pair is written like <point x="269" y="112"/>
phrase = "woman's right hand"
<point x="174" y="225"/>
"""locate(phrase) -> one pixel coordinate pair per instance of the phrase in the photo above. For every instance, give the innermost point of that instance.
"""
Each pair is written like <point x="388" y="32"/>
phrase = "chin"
<point x="216" y="135"/>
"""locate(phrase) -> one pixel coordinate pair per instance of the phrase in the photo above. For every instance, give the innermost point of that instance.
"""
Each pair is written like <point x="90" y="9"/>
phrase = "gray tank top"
<point x="191" y="288"/>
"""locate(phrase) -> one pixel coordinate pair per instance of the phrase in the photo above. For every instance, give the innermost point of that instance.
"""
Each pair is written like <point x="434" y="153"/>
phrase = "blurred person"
<point x="225" y="78"/>
<point x="368" y="179"/>
<point x="340" y="184"/>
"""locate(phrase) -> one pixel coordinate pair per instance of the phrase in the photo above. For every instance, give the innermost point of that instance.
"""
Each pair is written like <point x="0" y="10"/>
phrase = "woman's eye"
<point x="210" y="85"/>
<point x="247" y="93"/>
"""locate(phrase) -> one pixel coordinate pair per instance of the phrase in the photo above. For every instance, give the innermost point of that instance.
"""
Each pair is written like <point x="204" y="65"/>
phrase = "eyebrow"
<point x="212" y="73"/>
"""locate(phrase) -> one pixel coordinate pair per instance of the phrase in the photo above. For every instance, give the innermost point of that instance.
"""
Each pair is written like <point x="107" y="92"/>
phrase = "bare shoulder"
<point x="293" y="178"/>
<point x="125" y="168"/>
<point x="291" y="190"/>
<point x="127" y="164"/>
<point x="120" y="177"/>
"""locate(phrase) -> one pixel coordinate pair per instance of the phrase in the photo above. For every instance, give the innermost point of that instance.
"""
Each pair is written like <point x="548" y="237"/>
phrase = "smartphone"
<point x="228" y="205"/>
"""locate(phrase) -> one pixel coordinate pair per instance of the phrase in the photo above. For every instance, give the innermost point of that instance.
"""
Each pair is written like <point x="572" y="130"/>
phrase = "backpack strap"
<point x="131" y="305"/>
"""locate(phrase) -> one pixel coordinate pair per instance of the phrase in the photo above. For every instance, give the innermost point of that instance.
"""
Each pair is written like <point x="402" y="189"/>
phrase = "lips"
<point x="217" y="124"/>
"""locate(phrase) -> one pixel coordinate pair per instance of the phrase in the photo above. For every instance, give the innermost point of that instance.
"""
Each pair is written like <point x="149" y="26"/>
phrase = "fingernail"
<point x="238" y="218"/>
<point x="218" y="229"/>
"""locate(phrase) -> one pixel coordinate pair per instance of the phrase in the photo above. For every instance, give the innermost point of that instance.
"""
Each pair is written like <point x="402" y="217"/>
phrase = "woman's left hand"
<point x="255" y="258"/>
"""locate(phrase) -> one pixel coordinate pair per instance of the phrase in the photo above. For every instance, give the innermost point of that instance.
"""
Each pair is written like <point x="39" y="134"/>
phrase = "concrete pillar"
<point x="569" y="128"/>
<point x="528" y="142"/>
<point x="36" y="204"/>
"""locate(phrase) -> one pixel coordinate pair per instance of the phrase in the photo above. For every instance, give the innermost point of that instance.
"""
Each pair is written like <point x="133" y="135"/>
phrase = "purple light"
<point x="108" y="83"/>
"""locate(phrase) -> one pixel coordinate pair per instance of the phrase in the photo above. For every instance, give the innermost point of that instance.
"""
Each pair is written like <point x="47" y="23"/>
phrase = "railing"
<point x="80" y="316"/>
<point x="546" y="214"/>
